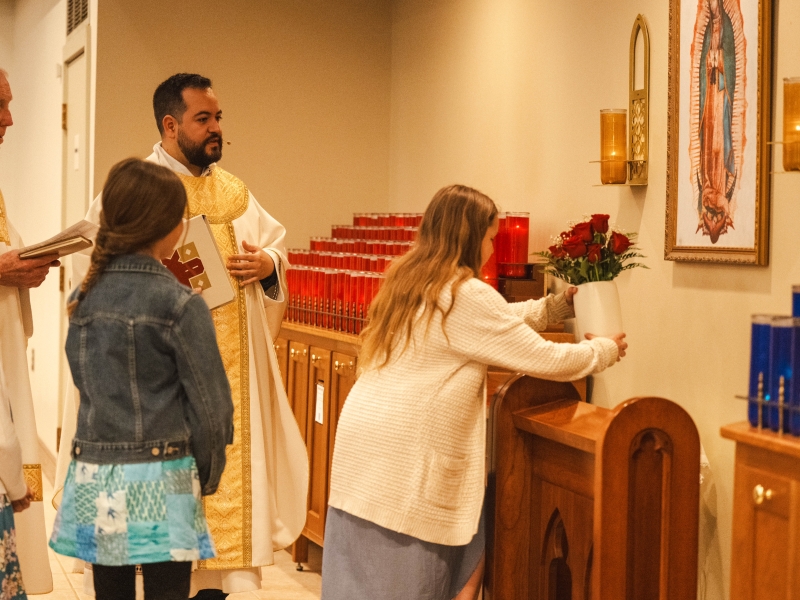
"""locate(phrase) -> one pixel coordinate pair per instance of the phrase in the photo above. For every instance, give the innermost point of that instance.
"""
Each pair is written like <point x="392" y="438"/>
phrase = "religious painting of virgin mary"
<point x="719" y="104"/>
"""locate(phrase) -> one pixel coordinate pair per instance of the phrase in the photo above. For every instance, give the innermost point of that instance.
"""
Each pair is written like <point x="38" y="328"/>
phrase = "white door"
<point x="75" y="170"/>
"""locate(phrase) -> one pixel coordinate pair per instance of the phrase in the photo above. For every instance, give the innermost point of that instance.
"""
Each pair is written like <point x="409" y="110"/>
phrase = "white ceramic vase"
<point x="597" y="309"/>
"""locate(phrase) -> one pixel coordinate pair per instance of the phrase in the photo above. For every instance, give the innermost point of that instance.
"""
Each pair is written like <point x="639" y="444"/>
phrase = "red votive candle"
<point x="517" y="226"/>
<point x="489" y="272"/>
<point x="302" y="290"/>
<point x="329" y="287"/>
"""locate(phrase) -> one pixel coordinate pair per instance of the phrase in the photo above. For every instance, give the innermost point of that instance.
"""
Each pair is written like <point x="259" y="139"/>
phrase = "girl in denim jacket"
<point x="155" y="407"/>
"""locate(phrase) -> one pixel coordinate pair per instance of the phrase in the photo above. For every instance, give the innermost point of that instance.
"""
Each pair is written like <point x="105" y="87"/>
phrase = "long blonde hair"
<point x="447" y="250"/>
<point x="142" y="203"/>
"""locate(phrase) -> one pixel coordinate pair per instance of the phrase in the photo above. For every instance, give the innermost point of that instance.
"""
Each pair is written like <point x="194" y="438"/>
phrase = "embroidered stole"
<point x="223" y="198"/>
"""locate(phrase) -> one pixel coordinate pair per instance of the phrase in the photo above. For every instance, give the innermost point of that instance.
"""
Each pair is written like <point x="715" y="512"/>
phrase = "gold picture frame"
<point x="718" y="129"/>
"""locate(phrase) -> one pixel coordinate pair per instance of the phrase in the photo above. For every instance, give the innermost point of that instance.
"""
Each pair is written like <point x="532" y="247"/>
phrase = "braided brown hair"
<point x="142" y="203"/>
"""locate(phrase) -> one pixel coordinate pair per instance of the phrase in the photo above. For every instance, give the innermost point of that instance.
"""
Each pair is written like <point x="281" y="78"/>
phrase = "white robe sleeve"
<point x="271" y="235"/>
<point x="11" y="476"/>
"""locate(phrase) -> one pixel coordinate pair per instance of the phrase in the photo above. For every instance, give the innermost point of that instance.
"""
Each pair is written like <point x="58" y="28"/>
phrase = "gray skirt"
<point x="364" y="561"/>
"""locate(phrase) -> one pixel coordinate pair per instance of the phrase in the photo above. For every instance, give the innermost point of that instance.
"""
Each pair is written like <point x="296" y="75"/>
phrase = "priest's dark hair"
<point x="142" y="203"/>
<point x="168" y="97"/>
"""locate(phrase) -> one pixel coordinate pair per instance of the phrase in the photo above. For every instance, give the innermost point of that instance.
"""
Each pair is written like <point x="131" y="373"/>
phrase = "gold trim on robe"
<point x="5" y="238"/>
<point x="223" y="198"/>
<point x="33" y="477"/>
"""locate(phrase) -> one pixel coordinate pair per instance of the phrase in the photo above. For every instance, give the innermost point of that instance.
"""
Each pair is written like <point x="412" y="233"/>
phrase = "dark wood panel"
<point x="298" y="383"/>
<point x="317" y="441"/>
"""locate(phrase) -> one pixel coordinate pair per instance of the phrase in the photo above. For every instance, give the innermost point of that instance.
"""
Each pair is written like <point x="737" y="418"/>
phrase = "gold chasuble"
<point x="223" y="198"/>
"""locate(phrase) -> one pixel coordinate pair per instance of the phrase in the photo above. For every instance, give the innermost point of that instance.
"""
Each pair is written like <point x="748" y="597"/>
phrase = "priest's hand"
<point x="25" y="272"/>
<point x="24" y="502"/>
<point x="251" y="267"/>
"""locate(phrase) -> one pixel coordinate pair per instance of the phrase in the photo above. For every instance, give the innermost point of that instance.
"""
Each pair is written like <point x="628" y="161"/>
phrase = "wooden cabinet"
<point x="321" y="367"/>
<point x="318" y="442"/>
<point x="765" y="552"/>
<point x="298" y="383"/>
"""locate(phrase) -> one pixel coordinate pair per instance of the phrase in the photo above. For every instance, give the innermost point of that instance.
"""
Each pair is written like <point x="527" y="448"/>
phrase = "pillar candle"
<point x="781" y="342"/>
<point x="792" y="413"/>
<point x="760" y="333"/>
<point x="517" y="226"/>
<point x="791" y="124"/>
<point x="613" y="146"/>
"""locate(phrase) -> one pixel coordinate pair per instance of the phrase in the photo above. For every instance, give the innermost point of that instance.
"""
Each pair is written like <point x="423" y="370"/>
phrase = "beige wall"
<point x="504" y="95"/>
<point x="304" y="88"/>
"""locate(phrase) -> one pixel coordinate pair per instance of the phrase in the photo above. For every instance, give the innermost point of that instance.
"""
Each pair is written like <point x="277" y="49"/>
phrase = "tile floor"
<point x="281" y="581"/>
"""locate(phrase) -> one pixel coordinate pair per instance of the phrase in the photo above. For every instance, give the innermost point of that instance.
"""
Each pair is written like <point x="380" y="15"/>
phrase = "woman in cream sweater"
<point x="407" y="485"/>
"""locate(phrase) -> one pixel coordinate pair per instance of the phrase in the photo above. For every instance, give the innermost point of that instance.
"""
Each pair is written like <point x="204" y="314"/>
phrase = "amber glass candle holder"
<point x="613" y="146"/>
<point x="791" y="124"/>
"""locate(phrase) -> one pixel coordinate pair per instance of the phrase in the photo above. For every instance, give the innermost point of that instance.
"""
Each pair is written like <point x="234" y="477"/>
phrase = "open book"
<point x="73" y="239"/>
<point x="198" y="263"/>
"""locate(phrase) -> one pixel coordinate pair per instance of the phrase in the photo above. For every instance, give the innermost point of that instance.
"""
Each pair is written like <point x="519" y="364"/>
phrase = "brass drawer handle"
<point x="292" y="352"/>
<point x="315" y="358"/>
<point x="336" y="365"/>
<point x="760" y="494"/>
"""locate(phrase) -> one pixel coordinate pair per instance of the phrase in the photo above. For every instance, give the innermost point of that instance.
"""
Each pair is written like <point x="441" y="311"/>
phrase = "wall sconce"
<point x="639" y="103"/>
<point x="791" y="124"/>
<point x="624" y="150"/>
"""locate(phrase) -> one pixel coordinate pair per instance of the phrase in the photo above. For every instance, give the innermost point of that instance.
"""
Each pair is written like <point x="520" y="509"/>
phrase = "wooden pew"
<point x="585" y="502"/>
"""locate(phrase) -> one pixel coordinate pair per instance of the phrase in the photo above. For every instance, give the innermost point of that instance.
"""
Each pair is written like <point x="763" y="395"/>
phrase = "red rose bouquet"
<point x="591" y="251"/>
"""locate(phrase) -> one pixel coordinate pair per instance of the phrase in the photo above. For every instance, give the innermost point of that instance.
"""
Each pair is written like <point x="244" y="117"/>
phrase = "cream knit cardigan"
<point x="410" y="443"/>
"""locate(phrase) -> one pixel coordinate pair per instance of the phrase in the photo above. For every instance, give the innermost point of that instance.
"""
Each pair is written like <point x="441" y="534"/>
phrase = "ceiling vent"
<point x="77" y="13"/>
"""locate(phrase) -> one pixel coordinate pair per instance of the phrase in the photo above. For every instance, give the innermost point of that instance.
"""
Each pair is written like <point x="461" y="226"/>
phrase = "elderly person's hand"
<point x="22" y="503"/>
<point x="25" y="272"/>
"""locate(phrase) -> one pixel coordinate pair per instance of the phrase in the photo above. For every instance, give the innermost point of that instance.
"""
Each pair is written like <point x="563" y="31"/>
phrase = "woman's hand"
<point x="24" y="502"/>
<point x="571" y="291"/>
<point x="619" y="339"/>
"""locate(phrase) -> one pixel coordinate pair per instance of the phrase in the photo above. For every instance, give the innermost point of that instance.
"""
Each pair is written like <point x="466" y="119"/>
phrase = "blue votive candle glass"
<point x="760" y="337"/>
<point x="791" y="417"/>
<point x="796" y="300"/>
<point x="781" y="342"/>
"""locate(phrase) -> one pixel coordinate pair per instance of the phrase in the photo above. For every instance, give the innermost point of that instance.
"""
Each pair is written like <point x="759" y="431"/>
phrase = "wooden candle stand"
<point x="586" y="502"/>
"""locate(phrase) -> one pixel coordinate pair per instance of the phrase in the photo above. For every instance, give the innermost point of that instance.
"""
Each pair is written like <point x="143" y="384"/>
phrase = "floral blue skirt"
<point x="132" y="514"/>
<point x="10" y="578"/>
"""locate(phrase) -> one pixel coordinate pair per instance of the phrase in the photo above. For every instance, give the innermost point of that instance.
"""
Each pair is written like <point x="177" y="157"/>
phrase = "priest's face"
<point x="199" y="132"/>
<point x="5" y="113"/>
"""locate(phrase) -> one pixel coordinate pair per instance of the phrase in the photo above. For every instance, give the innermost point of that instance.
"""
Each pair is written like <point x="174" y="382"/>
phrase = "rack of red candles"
<point x="332" y="284"/>
<point x="335" y="299"/>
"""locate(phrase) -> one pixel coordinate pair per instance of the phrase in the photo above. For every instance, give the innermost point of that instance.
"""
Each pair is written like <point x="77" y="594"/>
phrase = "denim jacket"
<point x="143" y="353"/>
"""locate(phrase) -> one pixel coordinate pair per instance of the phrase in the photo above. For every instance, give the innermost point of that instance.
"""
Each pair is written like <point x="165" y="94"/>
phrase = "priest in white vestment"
<point x="17" y="276"/>
<point x="260" y="506"/>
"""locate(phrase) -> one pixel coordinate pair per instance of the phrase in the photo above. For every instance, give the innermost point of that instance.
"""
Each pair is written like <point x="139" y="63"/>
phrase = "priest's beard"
<point x="197" y="154"/>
